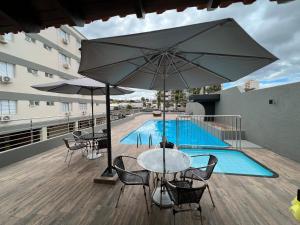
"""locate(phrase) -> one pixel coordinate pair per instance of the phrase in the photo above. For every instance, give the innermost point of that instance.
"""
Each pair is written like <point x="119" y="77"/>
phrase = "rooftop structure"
<point x="52" y="193"/>
<point x="41" y="14"/>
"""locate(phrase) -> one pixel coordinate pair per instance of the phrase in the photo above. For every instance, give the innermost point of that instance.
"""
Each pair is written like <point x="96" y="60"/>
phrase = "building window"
<point x="64" y="60"/>
<point x="8" y="107"/>
<point x="50" y="103"/>
<point x="48" y="75"/>
<point x="6" y="70"/>
<point x="65" y="37"/>
<point x="7" y="37"/>
<point x="49" y="48"/>
<point x="29" y="39"/>
<point x="83" y="107"/>
<point x="66" y="107"/>
<point x="33" y="71"/>
<point x="33" y="103"/>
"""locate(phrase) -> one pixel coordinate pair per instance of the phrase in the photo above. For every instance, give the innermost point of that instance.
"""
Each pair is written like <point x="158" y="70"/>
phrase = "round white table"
<point x="152" y="160"/>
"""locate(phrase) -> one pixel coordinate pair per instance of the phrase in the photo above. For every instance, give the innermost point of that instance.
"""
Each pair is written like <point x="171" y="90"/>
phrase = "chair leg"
<point x="146" y="199"/>
<point x="70" y="158"/>
<point x="200" y="210"/>
<point x="174" y="213"/>
<point x="150" y="195"/>
<point x="67" y="155"/>
<point x="210" y="196"/>
<point x="121" y="190"/>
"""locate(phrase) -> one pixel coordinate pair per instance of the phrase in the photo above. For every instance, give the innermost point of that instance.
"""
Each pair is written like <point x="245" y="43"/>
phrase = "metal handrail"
<point x="225" y="127"/>
<point x="150" y="140"/>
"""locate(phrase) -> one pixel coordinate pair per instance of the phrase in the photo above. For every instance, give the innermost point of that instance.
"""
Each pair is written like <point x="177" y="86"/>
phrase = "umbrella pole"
<point x="164" y="127"/>
<point x="109" y="172"/>
<point x="93" y="124"/>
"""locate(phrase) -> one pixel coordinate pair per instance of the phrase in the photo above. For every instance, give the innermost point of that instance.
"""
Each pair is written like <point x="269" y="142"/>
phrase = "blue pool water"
<point x="190" y="133"/>
<point x="230" y="162"/>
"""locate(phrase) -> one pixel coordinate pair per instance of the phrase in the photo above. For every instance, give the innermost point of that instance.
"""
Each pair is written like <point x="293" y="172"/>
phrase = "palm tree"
<point x="143" y="101"/>
<point x="158" y="98"/>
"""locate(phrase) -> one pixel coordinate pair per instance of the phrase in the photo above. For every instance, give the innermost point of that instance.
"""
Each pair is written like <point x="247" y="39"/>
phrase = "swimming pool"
<point x="191" y="133"/>
<point x="230" y="162"/>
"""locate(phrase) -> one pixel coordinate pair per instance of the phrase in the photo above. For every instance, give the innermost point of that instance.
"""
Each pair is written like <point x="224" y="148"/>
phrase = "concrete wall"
<point x="273" y="126"/>
<point x="194" y="108"/>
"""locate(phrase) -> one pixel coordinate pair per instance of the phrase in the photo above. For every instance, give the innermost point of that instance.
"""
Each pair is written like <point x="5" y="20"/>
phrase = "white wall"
<point x="275" y="126"/>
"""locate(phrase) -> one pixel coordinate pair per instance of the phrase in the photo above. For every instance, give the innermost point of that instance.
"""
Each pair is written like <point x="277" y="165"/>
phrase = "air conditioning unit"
<point x="66" y="65"/>
<point x="2" y="40"/>
<point x="83" y="112"/>
<point x="6" y="79"/>
<point x="65" y="41"/>
<point x="6" y="118"/>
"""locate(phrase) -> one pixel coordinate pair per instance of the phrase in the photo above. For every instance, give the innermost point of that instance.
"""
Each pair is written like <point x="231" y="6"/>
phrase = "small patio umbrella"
<point x="179" y="58"/>
<point x="87" y="86"/>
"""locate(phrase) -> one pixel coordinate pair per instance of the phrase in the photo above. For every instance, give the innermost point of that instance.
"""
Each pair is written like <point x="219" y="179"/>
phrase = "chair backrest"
<point x="212" y="162"/>
<point x="77" y="134"/>
<point x="66" y="142"/>
<point x="184" y="195"/>
<point x="119" y="166"/>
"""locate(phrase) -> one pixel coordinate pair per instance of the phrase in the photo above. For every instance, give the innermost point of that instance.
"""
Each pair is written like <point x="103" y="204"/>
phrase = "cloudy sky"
<point x="274" y="26"/>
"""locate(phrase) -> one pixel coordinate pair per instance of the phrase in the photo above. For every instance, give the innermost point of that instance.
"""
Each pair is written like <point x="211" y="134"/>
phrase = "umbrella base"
<point x="93" y="155"/>
<point x="161" y="198"/>
<point x="107" y="177"/>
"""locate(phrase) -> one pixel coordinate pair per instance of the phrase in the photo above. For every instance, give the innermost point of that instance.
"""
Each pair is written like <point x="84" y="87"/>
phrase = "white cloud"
<point x="274" y="26"/>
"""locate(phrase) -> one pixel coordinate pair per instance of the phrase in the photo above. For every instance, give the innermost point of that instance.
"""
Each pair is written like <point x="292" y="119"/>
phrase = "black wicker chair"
<point x="203" y="172"/>
<point x="138" y="177"/>
<point x="182" y="192"/>
<point x="73" y="147"/>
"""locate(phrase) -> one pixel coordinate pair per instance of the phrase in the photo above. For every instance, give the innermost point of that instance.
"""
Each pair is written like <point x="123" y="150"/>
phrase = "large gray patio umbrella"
<point x="87" y="86"/>
<point x="179" y="58"/>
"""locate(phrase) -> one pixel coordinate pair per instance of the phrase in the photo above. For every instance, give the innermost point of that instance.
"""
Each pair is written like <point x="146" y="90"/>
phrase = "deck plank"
<point x="43" y="190"/>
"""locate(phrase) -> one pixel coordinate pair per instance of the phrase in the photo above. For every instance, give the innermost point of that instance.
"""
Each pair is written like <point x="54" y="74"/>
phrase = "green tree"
<point x="213" y="89"/>
<point x="143" y="101"/>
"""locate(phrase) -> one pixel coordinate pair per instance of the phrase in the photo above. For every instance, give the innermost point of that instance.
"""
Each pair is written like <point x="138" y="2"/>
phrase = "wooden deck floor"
<point x="42" y="190"/>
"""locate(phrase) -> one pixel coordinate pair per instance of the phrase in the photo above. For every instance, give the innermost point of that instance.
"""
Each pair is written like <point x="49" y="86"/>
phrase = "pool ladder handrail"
<point x="150" y="140"/>
<point x="138" y="140"/>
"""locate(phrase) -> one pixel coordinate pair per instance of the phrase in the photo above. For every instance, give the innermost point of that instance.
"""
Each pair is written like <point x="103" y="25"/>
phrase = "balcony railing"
<point x="22" y="132"/>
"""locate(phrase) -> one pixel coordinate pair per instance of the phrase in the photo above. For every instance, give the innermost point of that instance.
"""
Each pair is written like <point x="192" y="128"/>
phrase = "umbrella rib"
<point x="180" y="75"/>
<point x="146" y="56"/>
<point x="111" y="64"/>
<point x="202" y="68"/>
<point x="130" y="74"/>
<point x="145" y="70"/>
<point x="229" y="55"/>
<point x="156" y="72"/>
<point x="198" y="57"/>
<point x="123" y="45"/>
<point x="200" y="32"/>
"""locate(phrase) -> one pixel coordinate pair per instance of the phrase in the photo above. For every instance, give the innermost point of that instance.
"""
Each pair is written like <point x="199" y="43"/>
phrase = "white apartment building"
<point x="30" y="59"/>
<point x="251" y="85"/>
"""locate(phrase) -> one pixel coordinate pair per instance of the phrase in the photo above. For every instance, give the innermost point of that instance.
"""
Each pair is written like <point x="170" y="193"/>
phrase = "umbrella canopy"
<point x="179" y="58"/>
<point x="87" y="86"/>
<point x="190" y="56"/>
<point x="81" y="86"/>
